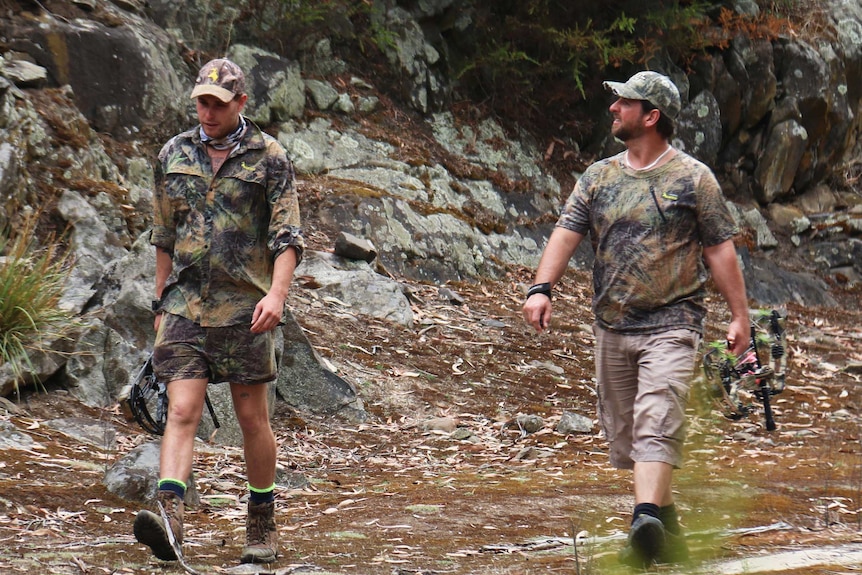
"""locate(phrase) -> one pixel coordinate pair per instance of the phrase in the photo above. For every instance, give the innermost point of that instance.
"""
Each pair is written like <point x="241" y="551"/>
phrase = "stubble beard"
<point x="623" y="133"/>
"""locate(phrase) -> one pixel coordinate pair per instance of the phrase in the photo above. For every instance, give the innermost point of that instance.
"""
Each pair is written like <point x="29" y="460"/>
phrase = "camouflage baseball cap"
<point x="653" y="87"/>
<point x="220" y="78"/>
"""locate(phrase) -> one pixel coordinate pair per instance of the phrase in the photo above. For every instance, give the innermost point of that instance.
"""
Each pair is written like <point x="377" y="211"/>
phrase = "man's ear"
<point x="652" y="117"/>
<point x="242" y="100"/>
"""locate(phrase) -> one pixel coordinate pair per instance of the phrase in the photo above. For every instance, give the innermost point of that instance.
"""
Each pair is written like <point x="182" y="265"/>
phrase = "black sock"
<point x="173" y="486"/>
<point x="669" y="517"/>
<point x="261" y="495"/>
<point x="650" y="509"/>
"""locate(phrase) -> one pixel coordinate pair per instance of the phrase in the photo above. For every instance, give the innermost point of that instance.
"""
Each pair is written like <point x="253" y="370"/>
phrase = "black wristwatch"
<point x="542" y="288"/>
<point x="156" y="305"/>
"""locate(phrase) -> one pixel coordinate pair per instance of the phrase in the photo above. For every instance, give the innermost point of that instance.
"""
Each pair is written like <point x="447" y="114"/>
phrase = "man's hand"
<point x="537" y="311"/>
<point x="267" y="313"/>
<point x="739" y="335"/>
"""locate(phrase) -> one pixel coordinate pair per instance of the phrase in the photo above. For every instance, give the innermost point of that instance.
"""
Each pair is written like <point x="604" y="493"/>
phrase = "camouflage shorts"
<point x="185" y="350"/>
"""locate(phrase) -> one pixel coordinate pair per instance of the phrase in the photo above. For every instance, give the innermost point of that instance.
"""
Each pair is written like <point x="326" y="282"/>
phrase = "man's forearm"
<point x="164" y="265"/>
<point x="282" y="272"/>
<point x="555" y="258"/>
<point x="722" y="263"/>
<point x="727" y="276"/>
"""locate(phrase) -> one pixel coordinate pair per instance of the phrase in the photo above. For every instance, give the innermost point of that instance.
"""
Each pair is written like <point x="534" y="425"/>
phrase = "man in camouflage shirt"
<point x="227" y="238"/>
<point x="655" y="216"/>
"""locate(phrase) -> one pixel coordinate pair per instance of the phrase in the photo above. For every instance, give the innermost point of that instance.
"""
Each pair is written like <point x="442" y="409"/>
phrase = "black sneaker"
<point x="645" y="543"/>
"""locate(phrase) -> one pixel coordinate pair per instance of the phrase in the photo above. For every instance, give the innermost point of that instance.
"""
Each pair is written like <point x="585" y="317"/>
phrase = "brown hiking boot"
<point x="261" y="536"/>
<point x="150" y="528"/>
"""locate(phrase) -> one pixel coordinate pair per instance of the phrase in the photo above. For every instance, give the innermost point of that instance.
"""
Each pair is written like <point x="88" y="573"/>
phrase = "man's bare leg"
<point x="185" y="403"/>
<point x="652" y="483"/>
<point x="252" y="410"/>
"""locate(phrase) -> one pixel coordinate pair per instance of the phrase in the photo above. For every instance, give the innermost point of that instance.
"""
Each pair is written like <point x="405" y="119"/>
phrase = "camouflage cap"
<point x="220" y="78"/>
<point x="653" y="87"/>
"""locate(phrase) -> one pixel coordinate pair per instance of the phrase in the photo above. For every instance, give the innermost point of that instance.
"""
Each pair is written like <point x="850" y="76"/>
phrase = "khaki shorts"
<point x="185" y="350"/>
<point x="643" y="388"/>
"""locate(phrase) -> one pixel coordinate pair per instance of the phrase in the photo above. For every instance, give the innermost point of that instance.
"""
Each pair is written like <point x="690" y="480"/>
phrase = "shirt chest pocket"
<point x="674" y="205"/>
<point x="246" y="169"/>
<point x="186" y="188"/>
<point x="243" y="185"/>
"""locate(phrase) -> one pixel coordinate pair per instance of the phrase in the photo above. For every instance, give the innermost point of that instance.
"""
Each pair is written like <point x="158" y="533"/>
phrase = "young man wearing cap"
<point x="227" y="238"/>
<point x="655" y="215"/>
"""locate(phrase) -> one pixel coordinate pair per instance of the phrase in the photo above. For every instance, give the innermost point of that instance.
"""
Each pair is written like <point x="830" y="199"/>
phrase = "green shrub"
<point x="31" y="284"/>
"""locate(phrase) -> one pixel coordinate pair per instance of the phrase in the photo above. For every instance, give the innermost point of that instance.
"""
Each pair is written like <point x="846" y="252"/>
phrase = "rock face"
<point x="122" y="69"/>
<point x="308" y="387"/>
<point x="87" y="98"/>
<point x="275" y="88"/>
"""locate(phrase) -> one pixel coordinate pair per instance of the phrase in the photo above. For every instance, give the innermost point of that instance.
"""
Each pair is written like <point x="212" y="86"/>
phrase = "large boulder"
<point x="750" y="63"/>
<point x="826" y="115"/>
<point x="699" y="128"/>
<point x="121" y="68"/>
<point x="307" y="386"/>
<point x="777" y="167"/>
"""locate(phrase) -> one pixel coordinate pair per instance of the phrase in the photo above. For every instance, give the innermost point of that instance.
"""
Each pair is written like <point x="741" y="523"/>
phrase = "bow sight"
<point x="733" y="378"/>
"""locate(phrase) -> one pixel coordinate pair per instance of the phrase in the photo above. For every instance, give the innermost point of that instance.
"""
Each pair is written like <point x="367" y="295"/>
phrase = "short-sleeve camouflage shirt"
<point x="224" y="230"/>
<point x="648" y="230"/>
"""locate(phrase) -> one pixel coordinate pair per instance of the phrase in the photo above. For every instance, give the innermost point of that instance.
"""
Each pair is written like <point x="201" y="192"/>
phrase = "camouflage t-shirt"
<point x="648" y="230"/>
<point x="224" y="231"/>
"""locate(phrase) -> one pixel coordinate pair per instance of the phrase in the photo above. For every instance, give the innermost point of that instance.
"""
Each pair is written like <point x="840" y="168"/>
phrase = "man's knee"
<point x="254" y="423"/>
<point x="184" y="414"/>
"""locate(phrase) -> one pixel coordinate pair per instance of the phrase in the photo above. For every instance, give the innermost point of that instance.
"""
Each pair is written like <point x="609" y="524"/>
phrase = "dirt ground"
<point x="391" y="496"/>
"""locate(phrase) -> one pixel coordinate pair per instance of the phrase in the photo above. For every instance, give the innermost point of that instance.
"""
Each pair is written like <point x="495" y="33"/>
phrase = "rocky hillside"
<point x="91" y="89"/>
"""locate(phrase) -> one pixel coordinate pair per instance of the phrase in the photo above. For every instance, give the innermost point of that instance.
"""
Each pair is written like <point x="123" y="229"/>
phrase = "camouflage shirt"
<point x="223" y="230"/>
<point x="648" y="230"/>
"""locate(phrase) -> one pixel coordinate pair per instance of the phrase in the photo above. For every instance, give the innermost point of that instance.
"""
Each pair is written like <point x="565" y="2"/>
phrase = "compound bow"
<point x="733" y="377"/>
<point x="148" y="401"/>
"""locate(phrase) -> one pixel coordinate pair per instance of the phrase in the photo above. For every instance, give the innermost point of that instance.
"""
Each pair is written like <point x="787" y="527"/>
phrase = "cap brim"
<point x="621" y="90"/>
<point x="210" y="90"/>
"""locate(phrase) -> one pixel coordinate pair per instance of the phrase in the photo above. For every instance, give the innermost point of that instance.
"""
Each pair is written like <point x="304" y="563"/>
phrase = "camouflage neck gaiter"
<point x="228" y="142"/>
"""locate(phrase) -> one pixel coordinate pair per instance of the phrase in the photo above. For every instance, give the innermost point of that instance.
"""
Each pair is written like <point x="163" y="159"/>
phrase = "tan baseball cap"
<point x="653" y="87"/>
<point x="220" y="78"/>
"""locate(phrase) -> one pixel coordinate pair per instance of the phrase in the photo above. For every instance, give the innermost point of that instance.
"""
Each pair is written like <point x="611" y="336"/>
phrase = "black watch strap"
<point x="542" y="288"/>
<point x="156" y="305"/>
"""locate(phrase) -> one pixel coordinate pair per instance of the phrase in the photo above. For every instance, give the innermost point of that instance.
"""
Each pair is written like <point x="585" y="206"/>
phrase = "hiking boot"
<point x="674" y="550"/>
<point x="261" y="536"/>
<point x="646" y="541"/>
<point x="150" y="527"/>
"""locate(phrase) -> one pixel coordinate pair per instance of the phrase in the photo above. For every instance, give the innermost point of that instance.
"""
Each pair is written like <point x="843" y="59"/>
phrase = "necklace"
<point x="652" y="164"/>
